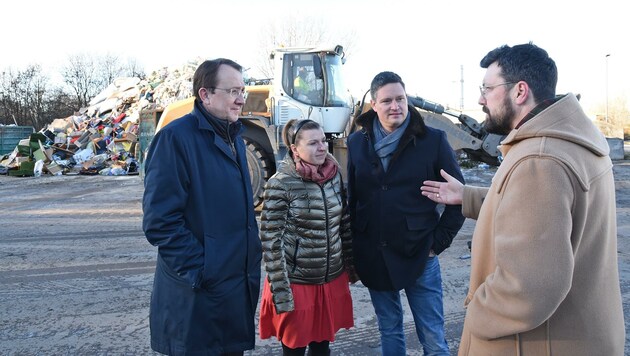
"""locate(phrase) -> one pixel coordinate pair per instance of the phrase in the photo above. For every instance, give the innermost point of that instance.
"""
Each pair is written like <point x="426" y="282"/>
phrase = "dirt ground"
<point x="76" y="271"/>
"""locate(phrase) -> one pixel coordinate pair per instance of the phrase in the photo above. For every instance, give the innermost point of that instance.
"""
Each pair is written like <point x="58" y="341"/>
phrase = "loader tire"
<point x="260" y="169"/>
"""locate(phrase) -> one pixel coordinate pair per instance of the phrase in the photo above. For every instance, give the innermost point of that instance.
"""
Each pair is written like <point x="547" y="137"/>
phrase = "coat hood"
<point x="564" y="132"/>
<point x="564" y="120"/>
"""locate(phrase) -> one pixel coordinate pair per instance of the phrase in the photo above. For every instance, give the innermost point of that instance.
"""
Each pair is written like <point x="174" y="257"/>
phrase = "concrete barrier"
<point x="616" y="148"/>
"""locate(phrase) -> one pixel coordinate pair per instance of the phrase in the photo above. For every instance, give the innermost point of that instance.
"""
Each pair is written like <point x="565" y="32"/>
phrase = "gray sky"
<point x="427" y="44"/>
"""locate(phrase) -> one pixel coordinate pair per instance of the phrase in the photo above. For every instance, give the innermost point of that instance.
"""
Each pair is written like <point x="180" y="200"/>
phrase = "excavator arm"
<point x="468" y="136"/>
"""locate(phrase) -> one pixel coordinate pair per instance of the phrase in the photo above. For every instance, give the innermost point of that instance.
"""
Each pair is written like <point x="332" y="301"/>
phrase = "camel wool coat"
<point x="544" y="277"/>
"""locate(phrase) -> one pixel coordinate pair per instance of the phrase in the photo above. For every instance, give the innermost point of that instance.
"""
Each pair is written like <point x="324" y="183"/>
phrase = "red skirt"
<point x="320" y="311"/>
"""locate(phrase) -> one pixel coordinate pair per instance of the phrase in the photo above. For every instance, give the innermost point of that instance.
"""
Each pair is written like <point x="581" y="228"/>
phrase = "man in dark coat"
<point x="198" y="211"/>
<point x="397" y="232"/>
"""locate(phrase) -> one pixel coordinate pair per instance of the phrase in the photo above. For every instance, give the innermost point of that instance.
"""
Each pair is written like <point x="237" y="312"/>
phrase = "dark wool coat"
<point x="393" y="225"/>
<point x="198" y="211"/>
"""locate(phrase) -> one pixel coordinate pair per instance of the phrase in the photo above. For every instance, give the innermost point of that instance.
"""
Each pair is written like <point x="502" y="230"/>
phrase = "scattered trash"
<point x="39" y="166"/>
<point x="103" y="137"/>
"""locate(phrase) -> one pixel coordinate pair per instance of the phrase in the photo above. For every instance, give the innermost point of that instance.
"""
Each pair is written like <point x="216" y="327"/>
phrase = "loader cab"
<point x="312" y="87"/>
<point x="315" y="79"/>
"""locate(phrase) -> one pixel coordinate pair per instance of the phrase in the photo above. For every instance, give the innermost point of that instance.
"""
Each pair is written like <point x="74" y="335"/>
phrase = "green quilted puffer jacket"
<point x="305" y="232"/>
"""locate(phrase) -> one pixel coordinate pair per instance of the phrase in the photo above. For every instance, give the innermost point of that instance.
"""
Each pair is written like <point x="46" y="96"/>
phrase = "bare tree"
<point x="27" y="98"/>
<point x="299" y="30"/>
<point x="87" y="75"/>
<point x="37" y="100"/>
<point x="83" y="78"/>
<point x="112" y="67"/>
<point x="10" y="107"/>
<point x="134" y="69"/>
<point x="61" y="104"/>
<point x="109" y="68"/>
<point x="23" y="99"/>
<point x="618" y="117"/>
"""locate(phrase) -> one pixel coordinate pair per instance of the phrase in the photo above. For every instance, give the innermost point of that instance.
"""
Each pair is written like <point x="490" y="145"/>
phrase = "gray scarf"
<point x="386" y="143"/>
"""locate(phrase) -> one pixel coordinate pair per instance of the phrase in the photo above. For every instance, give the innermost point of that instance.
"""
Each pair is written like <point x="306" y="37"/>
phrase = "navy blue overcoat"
<point x="198" y="211"/>
<point x="394" y="226"/>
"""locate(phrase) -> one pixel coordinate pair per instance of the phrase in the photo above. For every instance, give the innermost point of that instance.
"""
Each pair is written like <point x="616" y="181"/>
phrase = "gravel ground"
<point x="76" y="271"/>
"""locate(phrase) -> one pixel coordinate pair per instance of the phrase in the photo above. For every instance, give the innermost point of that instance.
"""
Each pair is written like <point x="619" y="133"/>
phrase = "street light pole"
<point x="461" y="81"/>
<point x="608" y="55"/>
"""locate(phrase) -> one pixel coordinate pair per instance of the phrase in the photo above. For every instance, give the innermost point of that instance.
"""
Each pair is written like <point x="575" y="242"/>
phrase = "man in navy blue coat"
<point x="397" y="232"/>
<point x="198" y="211"/>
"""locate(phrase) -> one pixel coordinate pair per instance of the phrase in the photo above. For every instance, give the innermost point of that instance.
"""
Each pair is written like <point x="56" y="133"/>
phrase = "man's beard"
<point x="501" y="123"/>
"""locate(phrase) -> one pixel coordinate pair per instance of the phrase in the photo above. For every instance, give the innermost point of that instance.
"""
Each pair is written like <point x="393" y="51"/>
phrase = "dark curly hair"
<point x="529" y="63"/>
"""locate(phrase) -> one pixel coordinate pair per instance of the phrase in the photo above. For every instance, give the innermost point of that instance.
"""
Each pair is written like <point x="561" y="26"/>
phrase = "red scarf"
<point x="317" y="173"/>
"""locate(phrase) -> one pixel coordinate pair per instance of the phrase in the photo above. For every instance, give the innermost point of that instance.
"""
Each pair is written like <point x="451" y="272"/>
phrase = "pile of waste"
<point x="103" y="137"/>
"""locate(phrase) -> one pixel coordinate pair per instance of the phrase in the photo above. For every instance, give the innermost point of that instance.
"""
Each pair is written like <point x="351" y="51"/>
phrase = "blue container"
<point x="146" y="130"/>
<point x="11" y="135"/>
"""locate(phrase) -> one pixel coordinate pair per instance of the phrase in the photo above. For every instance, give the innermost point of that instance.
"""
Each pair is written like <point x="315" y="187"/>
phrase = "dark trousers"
<point x="314" y="349"/>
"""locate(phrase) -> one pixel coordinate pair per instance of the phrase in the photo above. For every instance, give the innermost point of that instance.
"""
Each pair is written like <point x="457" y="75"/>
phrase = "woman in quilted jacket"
<point x="305" y="233"/>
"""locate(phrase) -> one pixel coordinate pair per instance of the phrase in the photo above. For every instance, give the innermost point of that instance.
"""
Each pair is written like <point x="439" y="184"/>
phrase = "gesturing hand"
<point x="450" y="192"/>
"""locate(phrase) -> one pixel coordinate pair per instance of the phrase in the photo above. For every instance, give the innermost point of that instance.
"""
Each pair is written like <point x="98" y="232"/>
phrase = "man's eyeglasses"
<point x="483" y="89"/>
<point x="234" y="92"/>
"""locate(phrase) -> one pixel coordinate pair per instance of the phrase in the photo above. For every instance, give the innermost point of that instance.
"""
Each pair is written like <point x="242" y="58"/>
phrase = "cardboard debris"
<point x="103" y="137"/>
